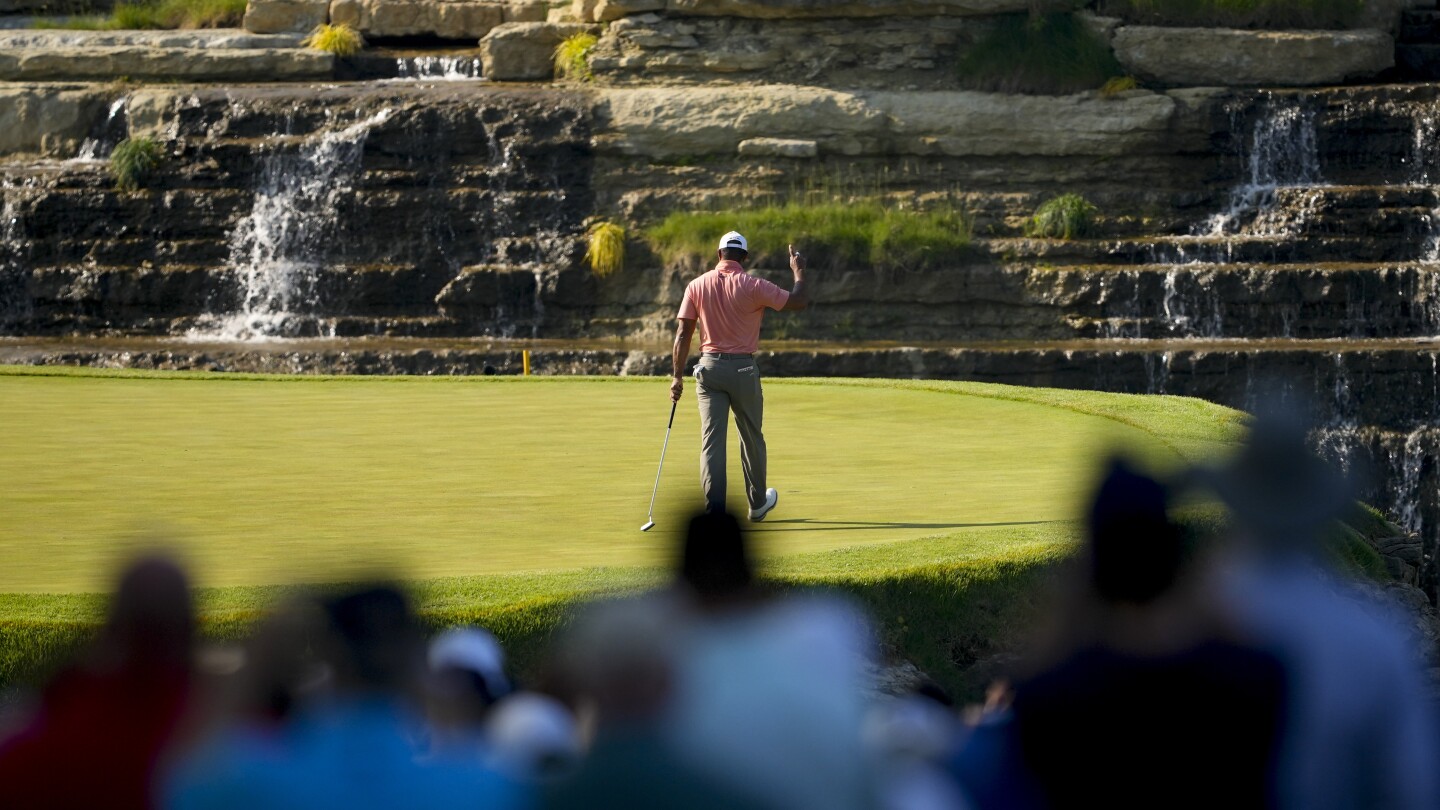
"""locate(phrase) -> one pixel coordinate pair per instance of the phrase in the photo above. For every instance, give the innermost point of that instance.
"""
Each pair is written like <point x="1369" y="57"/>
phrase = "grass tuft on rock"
<point x="341" y="40"/>
<point x="864" y="232"/>
<point x="1261" y="14"/>
<point x="1038" y="54"/>
<point x="1068" y="216"/>
<point x="158" y="15"/>
<point x="605" y="251"/>
<point x="572" y="57"/>
<point x="134" y="162"/>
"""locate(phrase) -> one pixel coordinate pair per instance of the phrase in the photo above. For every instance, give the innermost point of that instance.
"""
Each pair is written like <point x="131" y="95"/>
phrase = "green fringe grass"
<point x="341" y="40"/>
<point x="605" y="252"/>
<point x="133" y="162"/>
<point x="1039" y="54"/>
<point x="572" y="57"/>
<point x="1068" y="216"/>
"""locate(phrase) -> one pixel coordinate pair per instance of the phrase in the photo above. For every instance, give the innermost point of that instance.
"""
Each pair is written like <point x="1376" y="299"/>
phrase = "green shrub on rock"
<point x="1068" y="216"/>
<point x="133" y="162"/>
<point x="1039" y="54"/>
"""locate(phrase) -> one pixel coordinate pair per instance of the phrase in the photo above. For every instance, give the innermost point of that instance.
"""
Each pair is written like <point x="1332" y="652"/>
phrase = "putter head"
<point x="648" y="526"/>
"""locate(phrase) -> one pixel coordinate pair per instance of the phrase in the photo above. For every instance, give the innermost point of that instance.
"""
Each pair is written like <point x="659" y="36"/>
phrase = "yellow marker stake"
<point x="525" y="361"/>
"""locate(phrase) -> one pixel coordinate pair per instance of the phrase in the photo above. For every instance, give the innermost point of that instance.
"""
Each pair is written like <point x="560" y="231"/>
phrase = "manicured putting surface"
<point x="259" y="481"/>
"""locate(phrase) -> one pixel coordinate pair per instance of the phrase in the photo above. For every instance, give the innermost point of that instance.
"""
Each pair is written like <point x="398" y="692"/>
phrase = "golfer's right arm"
<point x="684" y="332"/>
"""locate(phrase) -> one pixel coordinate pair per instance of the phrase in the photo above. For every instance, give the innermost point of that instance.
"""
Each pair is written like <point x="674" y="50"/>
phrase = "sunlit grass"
<point x="870" y="232"/>
<point x="161" y="14"/>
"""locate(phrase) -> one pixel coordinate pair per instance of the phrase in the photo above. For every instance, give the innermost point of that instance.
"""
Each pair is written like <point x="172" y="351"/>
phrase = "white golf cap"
<point x="734" y="240"/>
<point x="475" y="650"/>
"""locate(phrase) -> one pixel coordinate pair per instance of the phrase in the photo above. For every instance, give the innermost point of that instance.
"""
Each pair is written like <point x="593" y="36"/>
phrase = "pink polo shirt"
<point x="730" y="303"/>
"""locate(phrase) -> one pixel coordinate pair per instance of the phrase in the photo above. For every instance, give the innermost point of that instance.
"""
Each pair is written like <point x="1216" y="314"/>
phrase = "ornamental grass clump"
<point x="341" y="40"/>
<point x="572" y="57"/>
<point x="862" y="232"/>
<point x="134" y="162"/>
<point x="1038" y="54"/>
<point x="605" y="251"/>
<point x="1068" y="216"/>
<point x="1261" y="14"/>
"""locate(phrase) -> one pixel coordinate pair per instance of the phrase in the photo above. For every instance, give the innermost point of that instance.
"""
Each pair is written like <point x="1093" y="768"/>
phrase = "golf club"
<point x="650" y="518"/>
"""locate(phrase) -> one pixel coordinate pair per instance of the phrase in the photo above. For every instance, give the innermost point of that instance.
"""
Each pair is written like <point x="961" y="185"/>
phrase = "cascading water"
<point x="278" y="249"/>
<point x="13" y="247"/>
<point x="437" y="68"/>
<point x="1282" y="152"/>
<point x="100" y="145"/>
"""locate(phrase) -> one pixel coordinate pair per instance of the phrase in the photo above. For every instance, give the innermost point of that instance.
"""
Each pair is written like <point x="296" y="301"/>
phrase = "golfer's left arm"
<point x="684" y="333"/>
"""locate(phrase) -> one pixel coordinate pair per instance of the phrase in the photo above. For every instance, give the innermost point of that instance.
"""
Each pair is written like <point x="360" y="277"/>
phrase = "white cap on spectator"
<point x="474" y="650"/>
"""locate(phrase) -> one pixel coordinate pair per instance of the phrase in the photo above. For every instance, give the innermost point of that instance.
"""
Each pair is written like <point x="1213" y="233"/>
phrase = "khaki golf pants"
<point x="725" y="383"/>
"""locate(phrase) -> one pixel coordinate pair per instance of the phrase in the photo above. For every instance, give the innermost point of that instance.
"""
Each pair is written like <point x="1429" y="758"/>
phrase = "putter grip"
<point x="672" y="415"/>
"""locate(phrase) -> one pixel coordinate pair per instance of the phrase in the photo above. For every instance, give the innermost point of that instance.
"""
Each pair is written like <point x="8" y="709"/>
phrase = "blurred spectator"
<point x="769" y="692"/>
<point x="1358" y="732"/>
<point x="353" y="748"/>
<point x="105" y="723"/>
<point x="533" y="737"/>
<point x="1143" y="698"/>
<point x="465" y="678"/>
<point x="620" y="660"/>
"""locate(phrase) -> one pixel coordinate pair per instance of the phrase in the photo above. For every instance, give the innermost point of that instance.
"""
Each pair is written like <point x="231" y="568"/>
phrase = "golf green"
<point x="261" y="480"/>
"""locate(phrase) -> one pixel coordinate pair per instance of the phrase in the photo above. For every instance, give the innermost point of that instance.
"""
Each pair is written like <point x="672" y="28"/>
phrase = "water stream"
<point x="279" y="249"/>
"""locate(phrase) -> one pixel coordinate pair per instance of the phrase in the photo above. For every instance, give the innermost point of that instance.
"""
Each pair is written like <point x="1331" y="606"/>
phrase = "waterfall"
<point x="1282" y="152"/>
<point x="102" y="143"/>
<point x="437" y="68"/>
<point x="278" y="250"/>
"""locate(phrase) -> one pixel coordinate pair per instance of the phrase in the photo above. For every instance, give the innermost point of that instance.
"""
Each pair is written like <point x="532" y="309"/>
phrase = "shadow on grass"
<point x="809" y="525"/>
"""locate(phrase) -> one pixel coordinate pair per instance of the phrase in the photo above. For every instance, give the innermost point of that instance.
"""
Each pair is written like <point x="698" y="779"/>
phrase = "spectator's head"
<point x="715" y="561"/>
<point x="280" y="669"/>
<point x="618" y="658"/>
<point x="534" y="736"/>
<point x="1279" y="492"/>
<point x="373" y="643"/>
<point x="1135" y="551"/>
<point x="466" y="674"/>
<point x="152" y="617"/>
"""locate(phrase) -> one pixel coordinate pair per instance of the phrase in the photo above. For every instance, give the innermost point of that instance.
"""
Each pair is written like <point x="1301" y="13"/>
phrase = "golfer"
<point x="729" y="304"/>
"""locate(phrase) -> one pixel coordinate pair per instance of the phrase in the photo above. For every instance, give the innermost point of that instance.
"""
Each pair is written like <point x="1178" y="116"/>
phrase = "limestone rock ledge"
<point x="1226" y="57"/>
<point x="48" y="119"/>
<point x="518" y="52"/>
<point x="446" y="19"/>
<point x="664" y="123"/>
<point x="607" y="10"/>
<point x="180" y="64"/>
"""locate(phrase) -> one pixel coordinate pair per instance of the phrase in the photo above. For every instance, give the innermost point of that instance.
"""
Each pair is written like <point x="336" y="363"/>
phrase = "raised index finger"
<point x="792" y="250"/>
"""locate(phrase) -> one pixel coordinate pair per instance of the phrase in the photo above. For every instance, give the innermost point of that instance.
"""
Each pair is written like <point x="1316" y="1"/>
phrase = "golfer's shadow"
<point x="808" y="525"/>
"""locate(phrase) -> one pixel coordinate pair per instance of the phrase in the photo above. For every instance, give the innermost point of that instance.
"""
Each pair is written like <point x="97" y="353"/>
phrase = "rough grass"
<point x="572" y="57"/>
<point x="605" y="248"/>
<point x="868" y="232"/>
<point x="1038" y="54"/>
<point x="1068" y="216"/>
<point x="134" y="161"/>
<point x="1324" y="14"/>
<point x="341" y="40"/>
<point x="162" y="14"/>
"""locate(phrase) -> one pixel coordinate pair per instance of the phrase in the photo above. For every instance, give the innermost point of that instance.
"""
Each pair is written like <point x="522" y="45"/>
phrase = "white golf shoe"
<point x="771" y="498"/>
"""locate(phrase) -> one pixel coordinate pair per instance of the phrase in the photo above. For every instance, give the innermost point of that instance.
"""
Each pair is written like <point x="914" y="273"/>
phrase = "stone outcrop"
<point x="281" y="16"/>
<point x="162" y="64"/>
<point x="525" y="51"/>
<point x="445" y="19"/>
<point x="1224" y="57"/>
<point x="853" y="53"/>
<point x="606" y="10"/>
<point x="708" y="121"/>
<point x="49" y="120"/>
